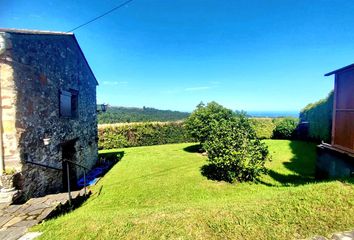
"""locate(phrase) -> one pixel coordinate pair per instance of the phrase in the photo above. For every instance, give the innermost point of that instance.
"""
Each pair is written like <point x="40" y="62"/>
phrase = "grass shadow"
<point x="290" y="179"/>
<point x="302" y="165"/>
<point x="304" y="161"/>
<point x="197" y="148"/>
<point x="111" y="156"/>
<point x="211" y="172"/>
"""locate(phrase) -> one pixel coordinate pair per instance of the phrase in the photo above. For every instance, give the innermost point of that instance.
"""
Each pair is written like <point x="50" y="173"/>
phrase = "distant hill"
<point x="145" y="114"/>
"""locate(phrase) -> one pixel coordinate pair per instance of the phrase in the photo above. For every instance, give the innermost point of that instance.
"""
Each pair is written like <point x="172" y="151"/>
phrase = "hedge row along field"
<point x="264" y="127"/>
<point x="121" y="135"/>
<point x="319" y="116"/>
<point x="275" y="128"/>
<point x="141" y="134"/>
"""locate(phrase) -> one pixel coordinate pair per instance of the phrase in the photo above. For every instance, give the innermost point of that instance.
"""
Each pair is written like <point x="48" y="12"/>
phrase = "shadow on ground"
<point x="302" y="164"/>
<point x="211" y="172"/>
<point x="111" y="156"/>
<point x="197" y="148"/>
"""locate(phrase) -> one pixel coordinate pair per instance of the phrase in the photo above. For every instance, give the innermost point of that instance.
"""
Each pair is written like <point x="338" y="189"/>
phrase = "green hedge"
<point x="154" y="133"/>
<point x="319" y="117"/>
<point x="263" y="127"/>
<point x="141" y="134"/>
<point x="285" y="128"/>
<point x="274" y="128"/>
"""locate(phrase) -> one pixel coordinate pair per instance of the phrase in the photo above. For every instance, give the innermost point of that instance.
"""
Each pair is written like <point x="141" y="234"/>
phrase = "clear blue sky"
<point x="172" y="54"/>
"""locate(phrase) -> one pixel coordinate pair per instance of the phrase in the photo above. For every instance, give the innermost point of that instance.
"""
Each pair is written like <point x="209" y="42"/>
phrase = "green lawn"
<point x="158" y="192"/>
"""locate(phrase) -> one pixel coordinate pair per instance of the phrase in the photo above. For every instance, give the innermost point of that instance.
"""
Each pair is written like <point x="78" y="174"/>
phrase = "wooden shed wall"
<point x="343" y="112"/>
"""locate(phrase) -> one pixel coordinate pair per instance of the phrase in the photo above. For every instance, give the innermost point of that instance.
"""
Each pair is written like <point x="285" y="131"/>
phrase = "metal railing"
<point x="43" y="165"/>
<point x="68" y="176"/>
<point x="67" y="173"/>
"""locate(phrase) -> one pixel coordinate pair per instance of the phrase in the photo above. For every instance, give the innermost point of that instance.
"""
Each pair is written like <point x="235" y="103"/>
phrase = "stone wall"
<point x="8" y="108"/>
<point x="42" y="66"/>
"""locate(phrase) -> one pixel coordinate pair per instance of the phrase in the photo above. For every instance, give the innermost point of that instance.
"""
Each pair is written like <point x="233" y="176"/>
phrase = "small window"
<point x="69" y="104"/>
<point x="74" y="103"/>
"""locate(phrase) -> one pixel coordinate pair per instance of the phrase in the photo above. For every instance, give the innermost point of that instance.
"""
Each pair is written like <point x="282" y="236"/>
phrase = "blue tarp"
<point x="93" y="175"/>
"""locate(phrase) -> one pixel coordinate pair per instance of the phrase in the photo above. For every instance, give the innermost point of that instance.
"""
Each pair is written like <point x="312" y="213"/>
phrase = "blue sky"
<point x="172" y="54"/>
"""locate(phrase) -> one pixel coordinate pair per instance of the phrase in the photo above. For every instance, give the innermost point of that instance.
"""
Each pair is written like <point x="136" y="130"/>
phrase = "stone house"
<point x="48" y="109"/>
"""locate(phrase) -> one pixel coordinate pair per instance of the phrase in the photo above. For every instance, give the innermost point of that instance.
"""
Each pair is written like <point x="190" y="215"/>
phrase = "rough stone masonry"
<point x="48" y="109"/>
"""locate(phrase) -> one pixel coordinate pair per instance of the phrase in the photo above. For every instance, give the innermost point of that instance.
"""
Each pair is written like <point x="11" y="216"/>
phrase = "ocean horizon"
<point x="273" y="114"/>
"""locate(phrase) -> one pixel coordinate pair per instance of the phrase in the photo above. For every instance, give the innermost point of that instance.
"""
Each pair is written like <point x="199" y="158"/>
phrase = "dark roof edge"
<point x="29" y="31"/>
<point x="83" y="55"/>
<point x="340" y="70"/>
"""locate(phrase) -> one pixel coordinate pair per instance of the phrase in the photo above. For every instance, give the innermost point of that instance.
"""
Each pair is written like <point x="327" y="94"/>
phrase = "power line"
<point x="100" y="16"/>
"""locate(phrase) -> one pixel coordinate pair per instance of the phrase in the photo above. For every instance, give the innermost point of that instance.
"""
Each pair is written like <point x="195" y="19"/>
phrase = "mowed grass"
<point x="158" y="192"/>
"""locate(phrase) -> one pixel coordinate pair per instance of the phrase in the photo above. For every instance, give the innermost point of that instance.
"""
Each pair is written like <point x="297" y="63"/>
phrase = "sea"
<point x="273" y="114"/>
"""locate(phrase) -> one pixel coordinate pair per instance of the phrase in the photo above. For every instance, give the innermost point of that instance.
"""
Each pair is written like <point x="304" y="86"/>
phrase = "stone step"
<point x="343" y="235"/>
<point x="5" y="198"/>
<point x="348" y="235"/>
<point x="8" y="196"/>
<point x="16" y="219"/>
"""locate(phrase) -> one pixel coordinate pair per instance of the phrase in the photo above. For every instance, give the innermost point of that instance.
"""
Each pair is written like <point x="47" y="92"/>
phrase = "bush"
<point x="263" y="127"/>
<point x="234" y="151"/>
<point x="285" y="128"/>
<point x="141" y="134"/>
<point x="319" y="117"/>
<point x="200" y="121"/>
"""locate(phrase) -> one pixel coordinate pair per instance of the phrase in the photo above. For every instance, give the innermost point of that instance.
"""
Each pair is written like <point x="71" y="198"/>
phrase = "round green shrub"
<point x="200" y="121"/>
<point x="234" y="151"/>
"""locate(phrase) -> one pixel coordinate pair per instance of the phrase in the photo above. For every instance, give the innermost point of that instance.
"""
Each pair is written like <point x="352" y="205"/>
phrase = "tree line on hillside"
<point x="145" y="114"/>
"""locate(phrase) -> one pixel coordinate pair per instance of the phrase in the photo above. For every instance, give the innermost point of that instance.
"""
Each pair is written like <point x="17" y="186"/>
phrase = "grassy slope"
<point x="158" y="193"/>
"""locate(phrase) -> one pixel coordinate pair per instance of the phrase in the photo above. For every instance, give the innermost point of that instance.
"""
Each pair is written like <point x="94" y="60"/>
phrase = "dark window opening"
<point x="69" y="153"/>
<point x="69" y="104"/>
<point x="74" y="103"/>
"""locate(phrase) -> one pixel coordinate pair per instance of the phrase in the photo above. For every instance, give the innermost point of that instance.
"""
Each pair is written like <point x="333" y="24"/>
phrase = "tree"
<point x="234" y="152"/>
<point x="199" y="123"/>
